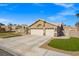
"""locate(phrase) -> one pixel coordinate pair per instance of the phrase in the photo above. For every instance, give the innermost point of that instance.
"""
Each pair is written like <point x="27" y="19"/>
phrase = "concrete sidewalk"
<point x="28" y="46"/>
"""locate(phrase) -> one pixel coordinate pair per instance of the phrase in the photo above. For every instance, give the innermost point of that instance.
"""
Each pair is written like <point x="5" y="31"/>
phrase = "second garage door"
<point x="49" y="32"/>
<point x="36" y="31"/>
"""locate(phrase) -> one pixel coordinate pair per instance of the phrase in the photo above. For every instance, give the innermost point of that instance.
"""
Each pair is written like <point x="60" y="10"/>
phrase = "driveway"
<point x="28" y="46"/>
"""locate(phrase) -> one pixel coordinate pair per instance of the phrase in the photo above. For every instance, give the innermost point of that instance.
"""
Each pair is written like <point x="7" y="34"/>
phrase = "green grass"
<point x="9" y="34"/>
<point x="71" y="44"/>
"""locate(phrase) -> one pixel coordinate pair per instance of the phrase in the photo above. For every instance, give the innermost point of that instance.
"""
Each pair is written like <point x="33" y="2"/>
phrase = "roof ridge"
<point x="43" y="21"/>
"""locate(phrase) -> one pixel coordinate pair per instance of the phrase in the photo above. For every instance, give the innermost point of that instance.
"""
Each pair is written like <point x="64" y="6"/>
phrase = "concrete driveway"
<point x="28" y="46"/>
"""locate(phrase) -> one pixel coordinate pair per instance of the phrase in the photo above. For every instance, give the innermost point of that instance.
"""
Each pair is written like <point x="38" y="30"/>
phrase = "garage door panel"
<point x="49" y="32"/>
<point x="36" y="32"/>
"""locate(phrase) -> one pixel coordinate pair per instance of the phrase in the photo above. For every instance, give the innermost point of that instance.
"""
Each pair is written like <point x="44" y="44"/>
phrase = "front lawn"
<point x="71" y="44"/>
<point x="9" y="34"/>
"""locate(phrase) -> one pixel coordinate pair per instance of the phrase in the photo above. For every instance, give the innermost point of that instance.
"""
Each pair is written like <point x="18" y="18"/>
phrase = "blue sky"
<point x="27" y="13"/>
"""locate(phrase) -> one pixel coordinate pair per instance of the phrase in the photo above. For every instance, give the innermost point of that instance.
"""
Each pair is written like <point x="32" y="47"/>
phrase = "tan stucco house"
<point x="41" y="27"/>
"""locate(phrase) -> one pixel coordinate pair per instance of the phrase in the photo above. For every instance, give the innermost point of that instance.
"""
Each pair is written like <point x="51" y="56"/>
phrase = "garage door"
<point x="36" y="31"/>
<point x="49" y="32"/>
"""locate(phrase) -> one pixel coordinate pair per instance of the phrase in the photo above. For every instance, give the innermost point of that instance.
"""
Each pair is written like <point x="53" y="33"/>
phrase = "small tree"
<point x="10" y="26"/>
<point x="62" y="27"/>
<point x="2" y="29"/>
<point x="1" y="24"/>
<point x="77" y="23"/>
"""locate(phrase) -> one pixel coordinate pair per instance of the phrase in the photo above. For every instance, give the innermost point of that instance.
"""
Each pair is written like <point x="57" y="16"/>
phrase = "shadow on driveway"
<point x="4" y="53"/>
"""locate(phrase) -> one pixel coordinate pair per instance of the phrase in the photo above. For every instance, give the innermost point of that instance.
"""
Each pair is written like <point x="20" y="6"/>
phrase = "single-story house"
<point x="41" y="27"/>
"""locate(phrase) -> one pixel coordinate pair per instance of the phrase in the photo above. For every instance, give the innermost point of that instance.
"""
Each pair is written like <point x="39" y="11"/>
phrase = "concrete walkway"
<point x="28" y="46"/>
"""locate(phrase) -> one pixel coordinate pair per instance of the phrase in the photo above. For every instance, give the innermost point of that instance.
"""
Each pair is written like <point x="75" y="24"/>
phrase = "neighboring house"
<point x="7" y="28"/>
<point x="22" y="29"/>
<point x="41" y="27"/>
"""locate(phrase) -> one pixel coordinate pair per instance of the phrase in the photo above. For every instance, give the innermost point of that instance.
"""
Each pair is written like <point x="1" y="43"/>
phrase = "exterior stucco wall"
<point x="43" y="25"/>
<point x="36" y="24"/>
<point x="49" y="25"/>
<point x="74" y="33"/>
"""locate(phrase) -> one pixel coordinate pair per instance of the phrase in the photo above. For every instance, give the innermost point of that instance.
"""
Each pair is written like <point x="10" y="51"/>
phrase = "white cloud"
<point x="57" y="18"/>
<point x="66" y="5"/>
<point x="54" y="17"/>
<point x="6" y="21"/>
<point x="2" y="20"/>
<point x="61" y="15"/>
<point x="67" y="12"/>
